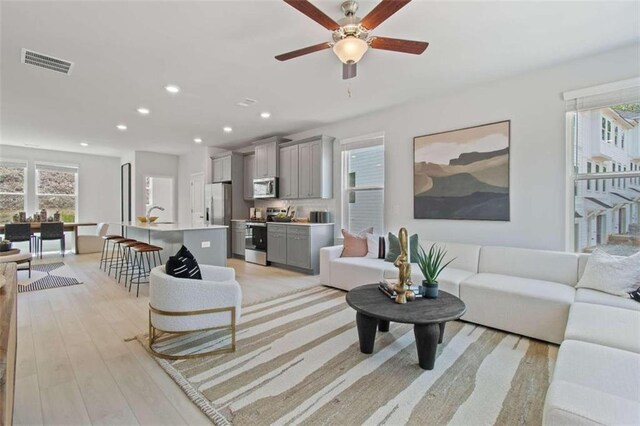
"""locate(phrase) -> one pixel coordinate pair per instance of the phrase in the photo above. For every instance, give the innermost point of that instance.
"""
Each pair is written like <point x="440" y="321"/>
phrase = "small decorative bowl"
<point x="153" y="218"/>
<point x="142" y="219"/>
<point x="5" y="245"/>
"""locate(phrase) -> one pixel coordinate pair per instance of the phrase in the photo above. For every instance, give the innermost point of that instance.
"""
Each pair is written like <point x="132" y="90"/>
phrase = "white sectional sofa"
<point x="532" y="292"/>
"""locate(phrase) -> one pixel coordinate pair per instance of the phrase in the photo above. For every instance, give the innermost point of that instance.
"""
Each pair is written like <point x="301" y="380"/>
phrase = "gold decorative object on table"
<point x="404" y="267"/>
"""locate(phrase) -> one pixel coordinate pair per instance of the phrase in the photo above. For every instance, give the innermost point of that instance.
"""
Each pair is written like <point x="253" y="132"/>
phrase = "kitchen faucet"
<point x="152" y="208"/>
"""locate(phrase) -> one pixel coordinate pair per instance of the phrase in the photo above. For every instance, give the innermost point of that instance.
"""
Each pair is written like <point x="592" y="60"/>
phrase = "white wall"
<point x="152" y="164"/>
<point x="98" y="180"/>
<point x="534" y="104"/>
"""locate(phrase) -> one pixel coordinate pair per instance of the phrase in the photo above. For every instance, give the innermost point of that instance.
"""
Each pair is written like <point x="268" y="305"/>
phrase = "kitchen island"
<point x="208" y="243"/>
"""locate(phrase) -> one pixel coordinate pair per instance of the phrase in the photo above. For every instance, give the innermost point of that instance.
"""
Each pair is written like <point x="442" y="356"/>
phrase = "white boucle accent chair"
<point x="92" y="243"/>
<point x="181" y="305"/>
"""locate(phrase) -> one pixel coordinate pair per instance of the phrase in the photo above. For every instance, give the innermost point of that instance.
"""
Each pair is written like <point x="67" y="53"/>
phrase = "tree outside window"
<point x="12" y="190"/>
<point x="56" y="190"/>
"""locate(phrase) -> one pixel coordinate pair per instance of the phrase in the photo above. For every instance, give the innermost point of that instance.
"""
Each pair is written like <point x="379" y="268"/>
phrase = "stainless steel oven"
<point x="255" y="250"/>
<point x="265" y="188"/>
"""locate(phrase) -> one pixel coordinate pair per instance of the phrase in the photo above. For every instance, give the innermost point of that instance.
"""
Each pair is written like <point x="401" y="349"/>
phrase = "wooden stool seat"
<point x="146" y="248"/>
<point x="111" y="237"/>
<point x="131" y="243"/>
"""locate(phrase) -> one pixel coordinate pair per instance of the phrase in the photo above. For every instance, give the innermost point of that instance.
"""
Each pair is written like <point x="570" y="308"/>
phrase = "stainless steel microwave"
<point x="265" y="188"/>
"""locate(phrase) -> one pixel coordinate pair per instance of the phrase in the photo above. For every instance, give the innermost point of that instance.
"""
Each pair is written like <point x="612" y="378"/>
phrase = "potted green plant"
<point x="430" y="264"/>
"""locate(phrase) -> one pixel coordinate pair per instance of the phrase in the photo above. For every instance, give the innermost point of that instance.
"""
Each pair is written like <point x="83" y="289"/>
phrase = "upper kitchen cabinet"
<point x="289" y="172"/>
<point x="315" y="167"/>
<point x="249" y="170"/>
<point x="267" y="160"/>
<point x="222" y="168"/>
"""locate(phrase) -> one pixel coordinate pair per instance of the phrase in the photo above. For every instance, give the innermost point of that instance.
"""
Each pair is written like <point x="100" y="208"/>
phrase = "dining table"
<point x="68" y="227"/>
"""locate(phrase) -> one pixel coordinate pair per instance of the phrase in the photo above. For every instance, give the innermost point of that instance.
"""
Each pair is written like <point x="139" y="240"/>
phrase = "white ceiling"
<point x="220" y="52"/>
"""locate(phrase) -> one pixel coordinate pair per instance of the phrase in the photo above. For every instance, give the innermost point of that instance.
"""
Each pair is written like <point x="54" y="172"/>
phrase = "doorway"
<point x="197" y="198"/>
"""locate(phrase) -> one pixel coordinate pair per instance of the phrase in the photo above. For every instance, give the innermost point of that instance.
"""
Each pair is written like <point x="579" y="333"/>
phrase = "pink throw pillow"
<point x="355" y="245"/>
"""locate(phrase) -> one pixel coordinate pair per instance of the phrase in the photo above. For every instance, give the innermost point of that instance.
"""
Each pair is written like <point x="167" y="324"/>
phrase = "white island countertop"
<point x="168" y="227"/>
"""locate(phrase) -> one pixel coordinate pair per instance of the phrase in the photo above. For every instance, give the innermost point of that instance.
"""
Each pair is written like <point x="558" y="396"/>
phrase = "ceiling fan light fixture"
<point x="350" y="49"/>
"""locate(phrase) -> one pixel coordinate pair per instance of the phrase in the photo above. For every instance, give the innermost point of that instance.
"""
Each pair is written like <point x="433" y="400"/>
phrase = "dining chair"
<point x="51" y="231"/>
<point x="18" y="232"/>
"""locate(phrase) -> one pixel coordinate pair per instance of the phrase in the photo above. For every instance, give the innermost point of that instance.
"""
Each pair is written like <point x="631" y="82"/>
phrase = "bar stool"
<point x="138" y="263"/>
<point x="127" y="260"/>
<point x="106" y="239"/>
<point x="117" y="253"/>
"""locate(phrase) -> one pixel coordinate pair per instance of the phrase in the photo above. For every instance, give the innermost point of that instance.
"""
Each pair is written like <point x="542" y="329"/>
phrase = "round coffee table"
<point x="9" y="252"/>
<point x="375" y="310"/>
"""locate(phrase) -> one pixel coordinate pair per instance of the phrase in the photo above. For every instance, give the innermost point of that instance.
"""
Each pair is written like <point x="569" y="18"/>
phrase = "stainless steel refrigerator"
<point x="217" y="203"/>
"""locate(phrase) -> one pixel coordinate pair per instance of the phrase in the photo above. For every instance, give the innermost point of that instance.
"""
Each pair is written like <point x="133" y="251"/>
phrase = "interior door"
<point x="197" y="198"/>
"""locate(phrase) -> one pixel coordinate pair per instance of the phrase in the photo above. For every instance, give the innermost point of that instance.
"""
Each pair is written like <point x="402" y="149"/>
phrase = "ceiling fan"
<point x="351" y="34"/>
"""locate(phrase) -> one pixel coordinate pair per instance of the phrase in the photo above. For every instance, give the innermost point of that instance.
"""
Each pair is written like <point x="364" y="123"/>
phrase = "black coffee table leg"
<point x="441" y="332"/>
<point x="427" y="336"/>
<point x="383" y="325"/>
<point x="366" y="332"/>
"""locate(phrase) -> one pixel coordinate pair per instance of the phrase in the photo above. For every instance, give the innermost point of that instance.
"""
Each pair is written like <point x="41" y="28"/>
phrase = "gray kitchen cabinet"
<point x="289" y="172"/>
<point x="298" y="246"/>
<point x="315" y="167"/>
<point x="249" y="166"/>
<point x="277" y="243"/>
<point x="222" y="169"/>
<point x="266" y="160"/>
<point x="238" y="237"/>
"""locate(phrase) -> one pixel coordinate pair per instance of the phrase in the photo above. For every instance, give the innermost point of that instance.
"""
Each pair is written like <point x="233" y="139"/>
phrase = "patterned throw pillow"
<point x="635" y="295"/>
<point x="611" y="274"/>
<point x="183" y="265"/>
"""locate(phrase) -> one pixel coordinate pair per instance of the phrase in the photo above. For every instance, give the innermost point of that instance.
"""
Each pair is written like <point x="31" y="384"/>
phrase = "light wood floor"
<point x="74" y="366"/>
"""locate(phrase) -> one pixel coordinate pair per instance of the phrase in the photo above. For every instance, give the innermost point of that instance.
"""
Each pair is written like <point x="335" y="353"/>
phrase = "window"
<point x="363" y="185"/>
<point x="12" y="189"/>
<point x="609" y="216"/>
<point x="57" y="189"/>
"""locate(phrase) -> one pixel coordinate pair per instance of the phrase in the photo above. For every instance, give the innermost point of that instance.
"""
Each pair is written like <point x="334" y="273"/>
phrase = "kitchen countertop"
<point x="168" y="227"/>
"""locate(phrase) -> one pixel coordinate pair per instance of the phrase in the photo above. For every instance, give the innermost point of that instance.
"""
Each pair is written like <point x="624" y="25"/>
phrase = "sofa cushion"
<point x="609" y="370"/>
<point x="351" y="272"/>
<point x="571" y="404"/>
<point x="542" y="265"/>
<point x="587" y="295"/>
<point x="465" y="256"/>
<point x="604" y="325"/>
<point x="355" y="245"/>
<point x="530" y="307"/>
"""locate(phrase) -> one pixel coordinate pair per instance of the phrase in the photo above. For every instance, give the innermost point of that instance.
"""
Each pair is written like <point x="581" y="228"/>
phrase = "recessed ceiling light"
<point x="84" y="144"/>
<point x="227" y="129"/>
<point x="265" y="114"/>
<point x="143" y="111"/>
<point x="121" y="127"/>
<point x="172" y="88"/>
<point x="197" y="140"/>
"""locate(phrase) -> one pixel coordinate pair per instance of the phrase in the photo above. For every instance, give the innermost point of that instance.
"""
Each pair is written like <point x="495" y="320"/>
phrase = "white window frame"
<point x="601" y="96"/>
<point x="18" y="164"/>
<point x="346" y="145"/>
<point x="45" y="165"/>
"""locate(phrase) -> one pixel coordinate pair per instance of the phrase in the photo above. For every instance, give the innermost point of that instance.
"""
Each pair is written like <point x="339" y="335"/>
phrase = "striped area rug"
<point x="45" y="276"/>
<point x="298" y="362"/>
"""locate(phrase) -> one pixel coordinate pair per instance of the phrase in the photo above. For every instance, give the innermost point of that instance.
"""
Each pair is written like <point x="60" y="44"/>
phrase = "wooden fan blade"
<point x="303" y="51"/>
<point x="314" y="13"/>
<point x="382" y="12"/>
<point x="349" y="71"/>
<point x="398" y="45"/>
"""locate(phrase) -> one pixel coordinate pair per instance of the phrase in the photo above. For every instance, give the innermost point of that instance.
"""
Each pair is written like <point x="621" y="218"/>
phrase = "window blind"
<point x="363" y="142"/>
<point x="16" y="164"/>
<point x="57" y="168"/>
<point x="624" y="92"/>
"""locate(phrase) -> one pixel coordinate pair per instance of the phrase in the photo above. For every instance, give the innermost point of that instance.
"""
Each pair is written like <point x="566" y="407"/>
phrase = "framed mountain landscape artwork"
<point x="462" y="174"/>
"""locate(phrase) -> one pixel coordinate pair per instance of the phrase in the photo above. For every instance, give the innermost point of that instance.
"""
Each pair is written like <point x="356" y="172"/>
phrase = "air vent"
<point x="247" y="102"/>
<point x="45" y="61"/>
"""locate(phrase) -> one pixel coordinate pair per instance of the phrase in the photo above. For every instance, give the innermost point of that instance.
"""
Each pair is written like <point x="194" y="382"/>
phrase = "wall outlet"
<point x="206" y="244"/>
